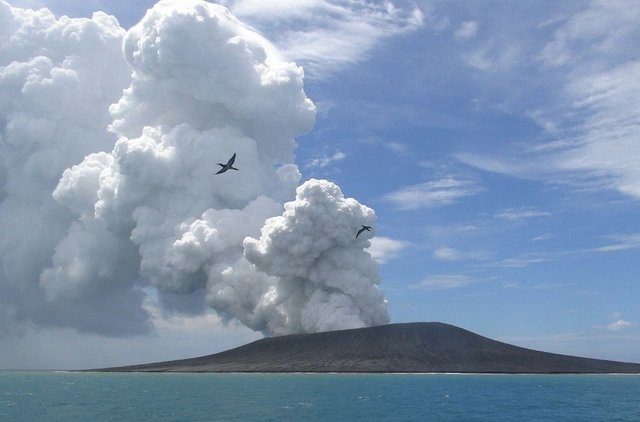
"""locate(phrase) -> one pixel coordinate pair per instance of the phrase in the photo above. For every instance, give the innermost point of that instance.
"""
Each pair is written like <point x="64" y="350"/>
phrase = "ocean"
<point x="96" y="397"/>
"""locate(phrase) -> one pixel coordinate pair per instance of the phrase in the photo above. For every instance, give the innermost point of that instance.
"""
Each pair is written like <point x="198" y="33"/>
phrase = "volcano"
<point x="420" y="347"/>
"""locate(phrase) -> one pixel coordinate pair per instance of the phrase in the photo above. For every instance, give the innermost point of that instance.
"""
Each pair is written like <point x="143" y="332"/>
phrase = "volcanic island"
<point x="418" y="347"/>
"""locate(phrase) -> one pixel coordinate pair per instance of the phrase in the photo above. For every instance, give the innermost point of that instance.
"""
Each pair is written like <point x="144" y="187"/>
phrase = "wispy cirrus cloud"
<point x="541" y="286"/>
<point x="466" y="31"/>
<point x="542" y="237"/>
<point x="620" y="242"/>
<point x="446" y="253"/>
<point x="520" y="261"/>
<point x="521" y="213"/>
<point x="325" y="160"/>
<point x="523" y="167"/>
<point x="591" y="113"/>
<point x="443" y="281"/>
<point x="327" y="35"/>
<point x="621" y="325"/>
<point x="393" y="146"/>
<point x="607" y="143"/>
<point x="433" y="194"/>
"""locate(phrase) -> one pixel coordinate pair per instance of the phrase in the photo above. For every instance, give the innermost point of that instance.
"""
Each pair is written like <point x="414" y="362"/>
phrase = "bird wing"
<point x="232" y="160"/>
<point x="359" y="231"/>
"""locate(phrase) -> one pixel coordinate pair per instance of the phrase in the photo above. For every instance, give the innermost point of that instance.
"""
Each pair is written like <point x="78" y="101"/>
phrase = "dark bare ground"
<point x="410" y="347"/>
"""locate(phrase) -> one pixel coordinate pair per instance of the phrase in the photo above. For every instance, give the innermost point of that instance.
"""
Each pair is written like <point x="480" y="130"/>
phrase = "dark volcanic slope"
<point x="413" y="347"/>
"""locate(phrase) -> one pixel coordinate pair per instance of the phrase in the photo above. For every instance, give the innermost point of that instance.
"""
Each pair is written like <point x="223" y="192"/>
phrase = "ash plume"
<point x="109" y="140"/>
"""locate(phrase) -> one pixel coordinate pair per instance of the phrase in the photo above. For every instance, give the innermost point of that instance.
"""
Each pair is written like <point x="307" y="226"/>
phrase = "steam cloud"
<point x="109" y="140"/>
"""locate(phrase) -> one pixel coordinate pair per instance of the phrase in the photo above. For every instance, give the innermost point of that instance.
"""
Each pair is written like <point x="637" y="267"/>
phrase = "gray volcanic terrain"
<point x="410" y="347"/>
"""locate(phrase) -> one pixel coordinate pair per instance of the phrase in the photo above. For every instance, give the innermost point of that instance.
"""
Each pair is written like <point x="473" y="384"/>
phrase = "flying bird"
<point x="229" y="165"/>
<point x="367" y="228"/>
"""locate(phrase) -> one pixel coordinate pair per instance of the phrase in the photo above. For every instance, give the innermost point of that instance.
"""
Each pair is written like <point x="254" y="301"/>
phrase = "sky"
<point x="494" y="147"/>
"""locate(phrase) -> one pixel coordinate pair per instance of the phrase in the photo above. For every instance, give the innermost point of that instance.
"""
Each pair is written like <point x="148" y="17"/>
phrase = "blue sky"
<point x="497" y="142"/>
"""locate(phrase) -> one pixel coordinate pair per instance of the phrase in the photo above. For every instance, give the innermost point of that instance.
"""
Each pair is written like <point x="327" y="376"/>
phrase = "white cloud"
<point x="590" y="125"/>
<point x="520" y="262"/>
<point x="479" y="59"/>
<point x="549" y="286"/>
<point x="466" y="31"/>
<point x="397" y="147"/>
<point x="432" y="194"/>
<point x="545" y="236"/>
<point x="447" y="254"/>
<point x="444" y="281"/>
<point x="525" y="167"/>
<point x="620" y="243"/>
<point x="326" y="160"/>
<point x="595" y="34"/>
<point x="521" y="213"/>
<point x="617" y="247"/>
<point x="450" y="254"/>
<point x="393" y="146"/>
<point x="383" y="249"/>
<point x="327" y="35"/>
<point x="608" y="142"/>
<point x="542" y="286"/>
<point x="493" y="57"/>
<point x="621" y="325"/>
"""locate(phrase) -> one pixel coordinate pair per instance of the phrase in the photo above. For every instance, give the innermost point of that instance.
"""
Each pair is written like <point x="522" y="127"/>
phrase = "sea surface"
<point x="61" y="396"/>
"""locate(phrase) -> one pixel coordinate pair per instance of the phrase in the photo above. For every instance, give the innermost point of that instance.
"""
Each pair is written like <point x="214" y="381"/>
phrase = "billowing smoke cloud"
<point x="324" y="276"/>
<point x="57" y="79"/>
<point x="110" y="186"/>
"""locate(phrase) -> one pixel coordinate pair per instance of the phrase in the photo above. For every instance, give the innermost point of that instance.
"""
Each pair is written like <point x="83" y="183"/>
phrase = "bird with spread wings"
<point x="367" y="228"/>
<point x="228" y="166"/>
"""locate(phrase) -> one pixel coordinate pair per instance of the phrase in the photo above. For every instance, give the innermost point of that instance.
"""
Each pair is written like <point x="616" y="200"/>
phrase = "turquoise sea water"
<point x="59" y="396"/>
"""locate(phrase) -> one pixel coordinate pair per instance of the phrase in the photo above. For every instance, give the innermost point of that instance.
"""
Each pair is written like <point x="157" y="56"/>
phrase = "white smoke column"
<point x="326" y="281"/>
<point x="204" y="87"/>
<point x="57" y="80"/>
